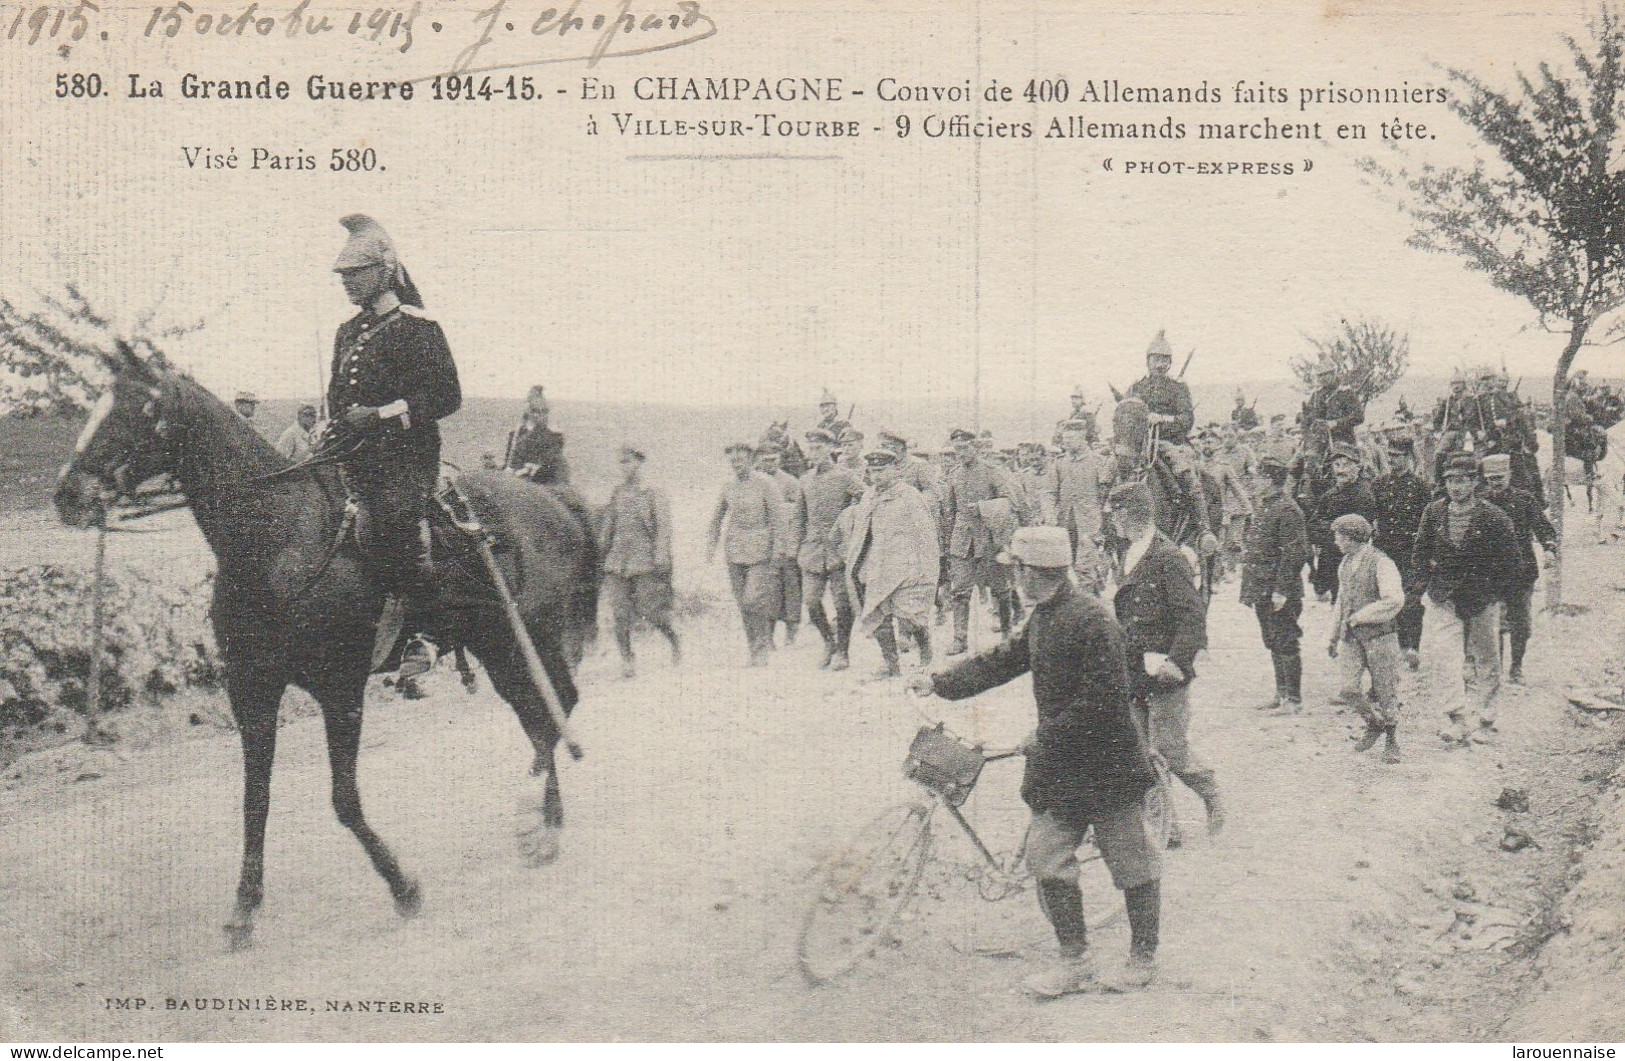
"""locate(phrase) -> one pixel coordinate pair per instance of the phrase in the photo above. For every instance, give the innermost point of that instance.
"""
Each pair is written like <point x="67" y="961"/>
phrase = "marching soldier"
<point x="1169" y="400"/>
<point x="1272" y="580"/>
<point x="980" y="528"/>
<point x="635" y="541"/>
<point x="752" y="509"/>
<point x="827" y="490"/>
<point x="299" y="436"/>
<point x="1529" y="526"/>
<point x="1401" y="497"/>
<point x="891" y="556"/>
<point x="393" y="380"/>
<point x="1072" y="485"/>
<point x="786" y="549"/>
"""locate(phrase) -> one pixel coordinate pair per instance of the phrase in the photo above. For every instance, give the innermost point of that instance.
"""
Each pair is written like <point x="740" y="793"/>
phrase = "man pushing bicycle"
<point x="1087" y="763"/>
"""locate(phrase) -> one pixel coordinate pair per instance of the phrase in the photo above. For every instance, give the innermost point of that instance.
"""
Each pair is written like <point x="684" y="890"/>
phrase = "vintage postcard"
<point x="708" y="520"/>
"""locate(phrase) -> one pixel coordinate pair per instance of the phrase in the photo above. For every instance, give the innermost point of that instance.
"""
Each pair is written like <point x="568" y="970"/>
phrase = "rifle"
<point x="1117" y="395"/>
<point x="1187" y="363"/>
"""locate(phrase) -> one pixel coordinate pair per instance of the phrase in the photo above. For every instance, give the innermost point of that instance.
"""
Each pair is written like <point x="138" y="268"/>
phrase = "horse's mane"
<point x="200" y="401"/>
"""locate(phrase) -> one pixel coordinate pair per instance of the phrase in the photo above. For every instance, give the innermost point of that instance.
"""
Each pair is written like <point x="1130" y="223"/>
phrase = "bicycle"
<point x="864" y="889"/>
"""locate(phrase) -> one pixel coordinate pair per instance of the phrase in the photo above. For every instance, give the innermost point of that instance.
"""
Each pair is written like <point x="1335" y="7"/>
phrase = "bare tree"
<point x="1545" y="218"/>
<point x="1370" y="356"/>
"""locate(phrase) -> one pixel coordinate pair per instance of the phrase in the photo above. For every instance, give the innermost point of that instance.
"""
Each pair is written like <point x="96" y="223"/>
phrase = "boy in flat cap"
<point x="1087" y="762"/>
<point x="393" y="380"/>
<point x="634" y="538"/>
<point x="1365" y="636"/>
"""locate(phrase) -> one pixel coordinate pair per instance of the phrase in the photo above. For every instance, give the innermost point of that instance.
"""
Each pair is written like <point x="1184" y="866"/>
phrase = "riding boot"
<point x="1292" y="664"/>
<point x="423" y="612"/>
<point x="961" y="626"/>
<point x="670" y="635"/>
<point x="1280" y="682"/>
<point x="887" y="639"/>
<point x="1144" y="903"/>
<point x="815" y="614"/>
<point x="623" y="641"/>
<point x="1004" y="614"/>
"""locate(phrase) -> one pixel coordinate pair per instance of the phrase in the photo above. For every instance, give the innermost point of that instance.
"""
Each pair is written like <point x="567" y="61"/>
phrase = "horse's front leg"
<point x="254" y="703"/>
<point x="341" y="711"/>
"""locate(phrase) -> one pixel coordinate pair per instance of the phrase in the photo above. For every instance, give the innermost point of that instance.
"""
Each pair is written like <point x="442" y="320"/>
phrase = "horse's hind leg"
<point x="341" y="710"/>
<point x="254" y="703"/>
<point x="541" y="805"/>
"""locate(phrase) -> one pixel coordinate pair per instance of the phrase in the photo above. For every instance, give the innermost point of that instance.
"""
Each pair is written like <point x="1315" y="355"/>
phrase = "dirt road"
<point x="1328" y="910"/>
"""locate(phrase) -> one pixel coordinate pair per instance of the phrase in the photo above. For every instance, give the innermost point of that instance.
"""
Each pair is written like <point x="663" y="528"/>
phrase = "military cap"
<point x="739" y="447"/>
<point x="306" y="408"/>
<point x="887" y="438"/>
<point x="1039" y="547"/>
<point x="632" y="453"/>
<point x="1131" y="497"/>
<point x="1159" y="346"/>
<point x="959" y="434"/>
<point x="1352" y="525"/>
<point x="1461" y="464"/>
<point x="1497" y="464"/>
<point x="818" y="434"/>
<point x="246" y="396"/>
<point x="879" y="458"/>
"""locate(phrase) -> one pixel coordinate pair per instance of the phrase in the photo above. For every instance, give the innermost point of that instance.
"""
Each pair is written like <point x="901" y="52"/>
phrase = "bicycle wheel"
<point x="863" y="890"/>
<point x="1159" y="804"/>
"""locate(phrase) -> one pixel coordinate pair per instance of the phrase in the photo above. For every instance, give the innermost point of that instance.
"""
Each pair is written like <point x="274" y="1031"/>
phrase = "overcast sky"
<point x="864" y="265"/>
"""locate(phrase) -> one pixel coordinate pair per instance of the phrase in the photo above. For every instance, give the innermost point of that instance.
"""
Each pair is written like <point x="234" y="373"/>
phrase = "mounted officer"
<point x="393" y="380"/>
<point x="1333" y="412"/>
<point x="1167" y="398"/>
<point x="536" y="452"/>
<point x="829" y="418"/>
<point x="1243" y="416"/>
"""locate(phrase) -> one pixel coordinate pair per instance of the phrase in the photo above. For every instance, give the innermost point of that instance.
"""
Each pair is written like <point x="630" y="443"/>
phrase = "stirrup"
<point x="418" y="657"/>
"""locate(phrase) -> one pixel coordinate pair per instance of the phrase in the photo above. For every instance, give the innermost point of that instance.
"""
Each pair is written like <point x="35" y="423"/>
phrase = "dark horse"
<point x="295" y="605"/>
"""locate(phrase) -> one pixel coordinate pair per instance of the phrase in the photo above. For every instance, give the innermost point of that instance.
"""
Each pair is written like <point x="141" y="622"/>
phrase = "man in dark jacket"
<point x="1349" y="493"/>
<point x="1465" y="560"/>
<point x="1401" y="497"/>
<point x="1272" y="579"/>
<point x="393" y="380"/>
<point x="1087" y="762"/>
<point x="1529" y="525"/>
<point x="1164" y="618"/>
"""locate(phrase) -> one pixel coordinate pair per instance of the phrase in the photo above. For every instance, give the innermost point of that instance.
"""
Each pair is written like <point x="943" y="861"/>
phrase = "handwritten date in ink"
<point x="380" y="24"/>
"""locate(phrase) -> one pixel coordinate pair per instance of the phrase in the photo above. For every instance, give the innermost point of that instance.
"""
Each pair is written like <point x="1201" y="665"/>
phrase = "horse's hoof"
<point x="409" y="900"/>
<point x="540" y="846"/>
<point x="239" y="935"/>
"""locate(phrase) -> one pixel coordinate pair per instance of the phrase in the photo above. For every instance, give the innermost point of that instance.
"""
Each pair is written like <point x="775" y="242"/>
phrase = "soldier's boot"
<point x="1390" y="749"/>
<point x="791" y="627"/>
<point x="671" y="635"/>
<point x="1075" y="970"/>
<point x="623" y="641"/>
<point x="1205" y="785"/>
<point x="1368" y="739"/>
<point x="1280" y="684"/>
<point x="843" y="639"/>
<point x="1519" y="646"/>
<point x="887" y="639"/>
<point x="1144" y="904"/>
<point x="922" y="642"/>
<point x="820" y="621"/>
<point x="423" y="613"/>
<point x="1003" y="604"/>
<point x="1292" y="666"/>
<point x="961" y="626"/>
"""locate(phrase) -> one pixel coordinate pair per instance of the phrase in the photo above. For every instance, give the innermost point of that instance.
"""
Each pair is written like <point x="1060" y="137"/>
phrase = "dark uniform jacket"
<point x="1244" y="417"/>
<point x="400" y="356"/>
<point x="1340" y="501"/>
<point x="1161" y="610"/>
<point x="1338" y="404"/>
<point x="1170" y="397"/>
<point x="1529" y="523"/>
<point x="1400" y="497"/>
<point x="542" y="447"/>
<point x="969" y="535"/>
<point x="1277" y="549"/>
<point x="1090" y="758"/>
<point x="1472" y="575"/>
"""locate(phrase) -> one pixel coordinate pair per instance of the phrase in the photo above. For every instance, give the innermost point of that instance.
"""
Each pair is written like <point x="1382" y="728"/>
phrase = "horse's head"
<point x="126" y="442"/>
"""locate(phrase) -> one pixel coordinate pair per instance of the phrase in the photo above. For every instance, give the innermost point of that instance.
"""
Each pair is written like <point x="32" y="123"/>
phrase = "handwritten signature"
<point x="640" y="34"/>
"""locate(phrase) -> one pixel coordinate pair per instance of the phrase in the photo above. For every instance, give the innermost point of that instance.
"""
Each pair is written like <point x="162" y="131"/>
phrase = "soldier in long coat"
<point x="891" y="559"/>
<point x="393" y="380"/>
<point x="1087" y="762"/>
<point x="1272" y="579"/>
